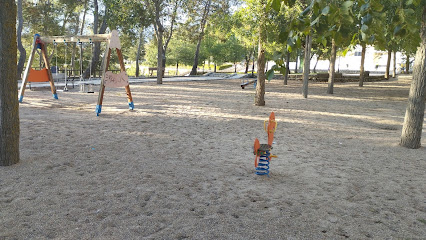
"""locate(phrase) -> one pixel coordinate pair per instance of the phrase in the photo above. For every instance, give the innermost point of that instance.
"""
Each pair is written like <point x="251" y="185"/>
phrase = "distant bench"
<point x="152" y="69"/>
<point x="323" y="77"/>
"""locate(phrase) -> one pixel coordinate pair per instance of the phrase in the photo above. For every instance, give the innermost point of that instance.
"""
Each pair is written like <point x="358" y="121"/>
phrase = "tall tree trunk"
<point x="97" y="46"/>
<point x="287" y="71"/>
<point x="159" y="32"/>
<point x="22" y="52"/>
<point x="252" y="67"/>
<point x="160" y="56"/>
<point x="177" y="68"/>
<point x="169" y="35"/>
<point x="361" y="71"/>
<point x="297" y="60"/>
<point x="414" y="115"/>
<point x="407" y="64"/>
<point x="138" y="54"/>
<point x="247" y="62"/>
<point x="215" y="67"/>
<point x="84" y="17"/>
<point x="74" y="46"/>
<point x="200" y="37"/>
<point x="76" y="30"/>
<point x="394" y="65"/>
<point x="316" y="63"/>
<point x="332" y="67"/>
<point x="9" y="106"/>
<point x="306" y="66"/>
<point x="388" y="64"/>
<point x="259" y="99"/>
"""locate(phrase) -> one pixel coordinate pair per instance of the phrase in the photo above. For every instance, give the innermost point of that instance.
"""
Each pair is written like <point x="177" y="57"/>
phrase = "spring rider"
<point x="262" y="151"/>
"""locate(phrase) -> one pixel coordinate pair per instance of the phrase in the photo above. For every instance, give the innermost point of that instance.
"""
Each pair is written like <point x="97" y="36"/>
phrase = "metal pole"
<point x="90" y="66"/>
<point x="56" y="58"/>
<point x="65" y="66"/>
<point x="81" y="65"/>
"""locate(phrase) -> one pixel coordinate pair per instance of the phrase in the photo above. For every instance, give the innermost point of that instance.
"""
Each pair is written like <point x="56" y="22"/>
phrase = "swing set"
<point x="108" y="79"/>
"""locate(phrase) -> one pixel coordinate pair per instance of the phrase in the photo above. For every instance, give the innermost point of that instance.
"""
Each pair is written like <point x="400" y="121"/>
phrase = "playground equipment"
<point x="108" y="79"/>
<point x="262" y="151"/>
<point x="244" y="84"/>
<point x="43" y="75"/>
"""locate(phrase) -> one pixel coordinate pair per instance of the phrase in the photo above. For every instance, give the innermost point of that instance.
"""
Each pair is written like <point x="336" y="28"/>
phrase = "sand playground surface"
<point x="181" y="166"/>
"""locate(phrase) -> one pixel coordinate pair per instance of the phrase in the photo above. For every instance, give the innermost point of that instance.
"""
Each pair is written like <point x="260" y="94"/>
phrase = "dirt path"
<point x="181" y="165"/>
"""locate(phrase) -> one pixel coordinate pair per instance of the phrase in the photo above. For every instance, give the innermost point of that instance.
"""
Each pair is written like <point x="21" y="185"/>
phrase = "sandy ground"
<point x="180" y="166"/>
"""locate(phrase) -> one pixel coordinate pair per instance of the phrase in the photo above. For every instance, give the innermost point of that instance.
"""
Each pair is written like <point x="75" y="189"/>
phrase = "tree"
<point x="331" y="71"/>
<point x="259" y="99"/>
<point x="235" y="51"/>
<point x="306" y="67"/>
<point x="244" y="21"/>
<point x="386" y="40"/>
<point x="414" y="115"/>
<point x="339" y="24"/>
<point x="180" y="52"/>
<point x="309" y="18"/>
<point x="161" y="11"/>
<point x="22" y="52"/>
<point x="130" y="18"/>
<point x="9" y="107"/>
<point x="206" y="11"/>
<point x="138" y="53"/>
<point x="214" y="47"/>
<point x="96" y="30"/>
<point x="369" y="19"/>
<point x="286" y="33"/>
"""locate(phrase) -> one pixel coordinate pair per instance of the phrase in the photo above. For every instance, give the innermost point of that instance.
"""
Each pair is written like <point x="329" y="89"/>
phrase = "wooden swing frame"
<point x="32" y="75"/>
<point x="108" y="79"/>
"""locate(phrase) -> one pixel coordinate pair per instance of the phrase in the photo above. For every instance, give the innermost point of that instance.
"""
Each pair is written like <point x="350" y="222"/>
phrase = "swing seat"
<point x="116" y="80"/>
<point x="38" y="75"/>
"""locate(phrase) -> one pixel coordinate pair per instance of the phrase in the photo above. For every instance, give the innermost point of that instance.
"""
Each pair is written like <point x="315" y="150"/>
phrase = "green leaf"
<point x="315" y="21"/>
<point x="338" y="38"/>
<point x="290" y="42"/>
<point x="397" y="30"/>
<point x="376" y="5"/>
<point x="325" y="10"/>
<point x="282" y="70"/>
<point x="306" y="11"/>
<point x="363" y="37"/>
<point x="270" y="73"/>
<point x="371" y="39"/>
<point x="409" y="12"/>
<point x="276" y="5"/>
<point x="367" y="19"/>
<point x="364" y="7"/>
<point x="283" y="36"/>
<point x="324" y="42"/>
<point x="289" y="3"/>
<point x="364" y="28"/>
<point x="345" y="51"/>
<point x="346" y="6"/>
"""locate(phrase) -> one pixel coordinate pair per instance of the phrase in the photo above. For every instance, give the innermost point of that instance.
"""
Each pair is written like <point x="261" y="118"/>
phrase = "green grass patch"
<point x="224" y="66"/>
<point x="422" y="220"/>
